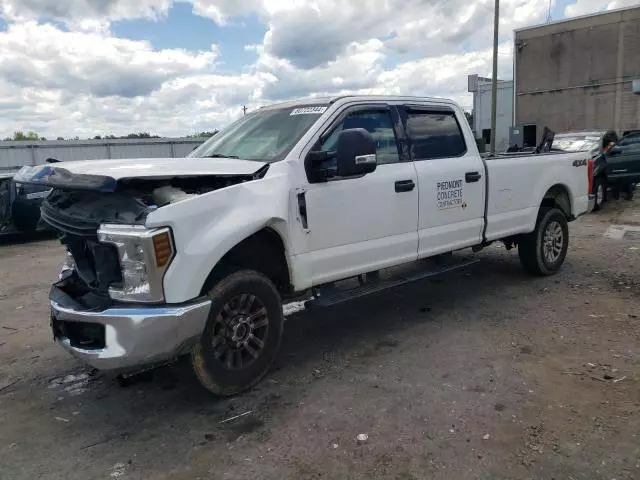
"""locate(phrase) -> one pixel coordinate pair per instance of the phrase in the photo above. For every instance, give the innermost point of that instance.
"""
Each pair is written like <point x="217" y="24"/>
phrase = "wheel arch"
<point x="558" y="196"/>
<point x="263" y="251"/>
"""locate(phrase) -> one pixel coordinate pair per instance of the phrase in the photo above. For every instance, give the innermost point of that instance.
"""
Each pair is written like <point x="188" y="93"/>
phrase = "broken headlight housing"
<point x="68" y="266"/>
<point x="144" y="254"/>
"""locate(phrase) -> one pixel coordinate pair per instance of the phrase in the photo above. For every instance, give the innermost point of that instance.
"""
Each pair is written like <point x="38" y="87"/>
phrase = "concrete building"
<point x="481" y="89"/>
<point x="580" y="74"/>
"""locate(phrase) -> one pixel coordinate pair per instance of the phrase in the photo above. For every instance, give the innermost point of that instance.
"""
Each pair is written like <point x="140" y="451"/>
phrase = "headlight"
<point x="144" y="257"/>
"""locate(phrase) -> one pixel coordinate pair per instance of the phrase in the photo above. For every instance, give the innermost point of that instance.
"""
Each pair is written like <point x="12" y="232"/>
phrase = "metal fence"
<point x="18" y="154"/>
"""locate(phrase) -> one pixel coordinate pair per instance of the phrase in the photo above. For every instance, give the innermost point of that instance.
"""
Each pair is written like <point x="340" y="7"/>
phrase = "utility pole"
<point x="494" y="79"/>
<point x="244" y="109"/>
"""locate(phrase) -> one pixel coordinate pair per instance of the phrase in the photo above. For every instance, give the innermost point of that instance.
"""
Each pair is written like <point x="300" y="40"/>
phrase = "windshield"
<point x="265" y="136"/>
<point x="576" y="143"/>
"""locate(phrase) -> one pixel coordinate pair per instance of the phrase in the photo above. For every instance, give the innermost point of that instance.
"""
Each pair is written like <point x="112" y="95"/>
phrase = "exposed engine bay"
<point x="81" y="212"/>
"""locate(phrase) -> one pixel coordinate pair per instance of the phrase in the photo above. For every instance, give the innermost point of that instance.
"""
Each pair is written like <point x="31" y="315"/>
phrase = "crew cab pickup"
<point x="320" y="201"/>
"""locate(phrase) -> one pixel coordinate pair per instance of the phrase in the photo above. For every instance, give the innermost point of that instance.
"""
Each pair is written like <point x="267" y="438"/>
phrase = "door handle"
<point x="405" y="186"/>
<point x="471" y="177"/>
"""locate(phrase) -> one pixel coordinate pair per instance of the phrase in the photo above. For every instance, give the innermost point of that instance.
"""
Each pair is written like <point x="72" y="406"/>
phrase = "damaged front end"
<point x="108" y="307"/>
<point x="100" y="221"/>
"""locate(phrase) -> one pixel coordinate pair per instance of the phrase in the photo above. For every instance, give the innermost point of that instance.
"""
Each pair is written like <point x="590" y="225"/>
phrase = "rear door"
<point x="450" y="179"/>
<point x="631" y="158"/>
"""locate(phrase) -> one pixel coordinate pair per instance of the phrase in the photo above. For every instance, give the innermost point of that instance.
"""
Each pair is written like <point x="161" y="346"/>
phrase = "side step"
<point x="332" y="295"/>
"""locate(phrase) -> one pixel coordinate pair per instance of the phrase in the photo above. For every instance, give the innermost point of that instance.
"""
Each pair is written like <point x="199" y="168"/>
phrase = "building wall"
<point x="18" y="154"/>
<point x="577" y="74"/>
<point x="504" y="111"/>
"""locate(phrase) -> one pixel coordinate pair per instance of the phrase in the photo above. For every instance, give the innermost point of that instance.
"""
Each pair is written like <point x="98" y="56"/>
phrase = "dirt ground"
<point x="484" y="373"/>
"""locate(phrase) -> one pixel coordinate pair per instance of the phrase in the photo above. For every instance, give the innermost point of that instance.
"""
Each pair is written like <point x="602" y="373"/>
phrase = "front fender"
<point x="206" y="227"/>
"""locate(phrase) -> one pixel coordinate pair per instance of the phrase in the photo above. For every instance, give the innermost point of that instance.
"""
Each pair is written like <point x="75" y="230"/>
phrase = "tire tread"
<point x="198" y="356"/>
<point x="528" y="247"/>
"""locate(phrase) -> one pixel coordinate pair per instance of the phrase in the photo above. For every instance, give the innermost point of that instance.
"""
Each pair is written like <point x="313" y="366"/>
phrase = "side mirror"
<point x="355" y="154"/>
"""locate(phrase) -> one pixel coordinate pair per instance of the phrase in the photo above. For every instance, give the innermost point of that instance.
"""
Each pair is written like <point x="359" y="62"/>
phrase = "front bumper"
<point x="128" y="337"/>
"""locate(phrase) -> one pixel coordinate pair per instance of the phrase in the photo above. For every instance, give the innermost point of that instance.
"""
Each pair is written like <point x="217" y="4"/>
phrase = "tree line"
<point x="32" y="136"/>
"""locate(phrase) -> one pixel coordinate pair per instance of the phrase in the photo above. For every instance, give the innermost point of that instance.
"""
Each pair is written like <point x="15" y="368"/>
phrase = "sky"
<point x="177" y="67"/>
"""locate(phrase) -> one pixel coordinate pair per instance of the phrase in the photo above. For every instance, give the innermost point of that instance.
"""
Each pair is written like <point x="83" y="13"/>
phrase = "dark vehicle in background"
<point x="623" y="165"/>
<point x="19" y="205"/>
<point x="631" y="137"/>
<point x="599" y="144"/>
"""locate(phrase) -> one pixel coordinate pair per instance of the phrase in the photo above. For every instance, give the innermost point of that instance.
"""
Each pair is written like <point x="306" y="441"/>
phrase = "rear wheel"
<point x="243" y="333"/>
<point x="615" y="193"/>
<point x="543" y="251"/>
<point x="629" y="191"/>
<point x="600" y="191"/>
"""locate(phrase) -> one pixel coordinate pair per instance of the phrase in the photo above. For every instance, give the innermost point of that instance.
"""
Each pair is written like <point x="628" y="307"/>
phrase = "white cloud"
<point x="81" y="10"/>
<point x="43" y="56"/>
<point x="358" y="67"/>
<point x="312" y="34"/>
<point x="585" y="7"/>
<point x="87" y="82"/>
<point x="220" y="11"/>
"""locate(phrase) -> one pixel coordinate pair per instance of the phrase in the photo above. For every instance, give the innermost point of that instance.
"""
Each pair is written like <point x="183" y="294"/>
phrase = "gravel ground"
<point x="482" y="373"/>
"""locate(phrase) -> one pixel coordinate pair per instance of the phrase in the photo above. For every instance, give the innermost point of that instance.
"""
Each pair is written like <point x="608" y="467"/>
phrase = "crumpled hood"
<point x="103" y="175"/>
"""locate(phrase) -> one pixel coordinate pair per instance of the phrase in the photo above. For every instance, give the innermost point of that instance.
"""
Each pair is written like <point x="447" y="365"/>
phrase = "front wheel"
<point x="543" y="251"/>
<point x="243" y="333"/>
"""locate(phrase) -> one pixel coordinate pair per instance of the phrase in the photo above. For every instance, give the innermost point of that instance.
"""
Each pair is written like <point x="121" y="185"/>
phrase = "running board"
<point x="332" y="295"/>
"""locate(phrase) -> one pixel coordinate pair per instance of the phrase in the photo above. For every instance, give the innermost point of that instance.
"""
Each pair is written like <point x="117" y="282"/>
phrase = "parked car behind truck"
<point x="623" y="166"/>
<point x="322" y="200"/>
<point x="20" y="205"/>
<point x="615" y="162"/>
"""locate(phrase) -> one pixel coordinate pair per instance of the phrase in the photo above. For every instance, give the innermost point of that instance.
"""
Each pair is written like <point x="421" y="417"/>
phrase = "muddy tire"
<point x="242" y="335"/>
<point x="543" y="251"/>
<point x="600" y="192"/>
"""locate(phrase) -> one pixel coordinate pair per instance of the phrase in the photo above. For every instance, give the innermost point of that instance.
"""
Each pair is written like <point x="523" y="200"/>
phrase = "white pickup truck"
<point x="323" y="200"/>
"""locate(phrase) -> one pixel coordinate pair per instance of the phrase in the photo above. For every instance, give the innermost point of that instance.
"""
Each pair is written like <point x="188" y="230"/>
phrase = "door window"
<point x="633" y="139"/>
<point x="434" y="135"/>
<point x="379" y="124"/>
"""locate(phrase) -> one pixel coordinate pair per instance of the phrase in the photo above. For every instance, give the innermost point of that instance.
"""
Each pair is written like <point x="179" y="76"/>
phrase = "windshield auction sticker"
<point x="308" y="111"/>
<point x="450" y="194"/>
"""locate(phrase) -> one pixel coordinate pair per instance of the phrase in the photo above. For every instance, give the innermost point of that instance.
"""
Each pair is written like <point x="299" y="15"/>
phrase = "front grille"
<point x="63" y="223"/>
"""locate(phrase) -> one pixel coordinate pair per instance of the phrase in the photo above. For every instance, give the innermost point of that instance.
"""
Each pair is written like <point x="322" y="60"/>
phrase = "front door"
<point x="623" y="163"/>
<point x="357" y="225"/>
<point x="450" y="179"/>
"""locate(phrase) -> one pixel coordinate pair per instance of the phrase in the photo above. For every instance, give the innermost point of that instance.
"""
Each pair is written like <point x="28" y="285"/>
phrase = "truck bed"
<point x="517" y="184"/>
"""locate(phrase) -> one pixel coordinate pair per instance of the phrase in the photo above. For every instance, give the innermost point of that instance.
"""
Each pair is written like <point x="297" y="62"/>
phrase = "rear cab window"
<point x="434" y="133"/>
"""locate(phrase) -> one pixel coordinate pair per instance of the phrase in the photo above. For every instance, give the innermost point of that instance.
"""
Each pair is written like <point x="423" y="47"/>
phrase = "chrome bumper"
<point x="133" y="336"/>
